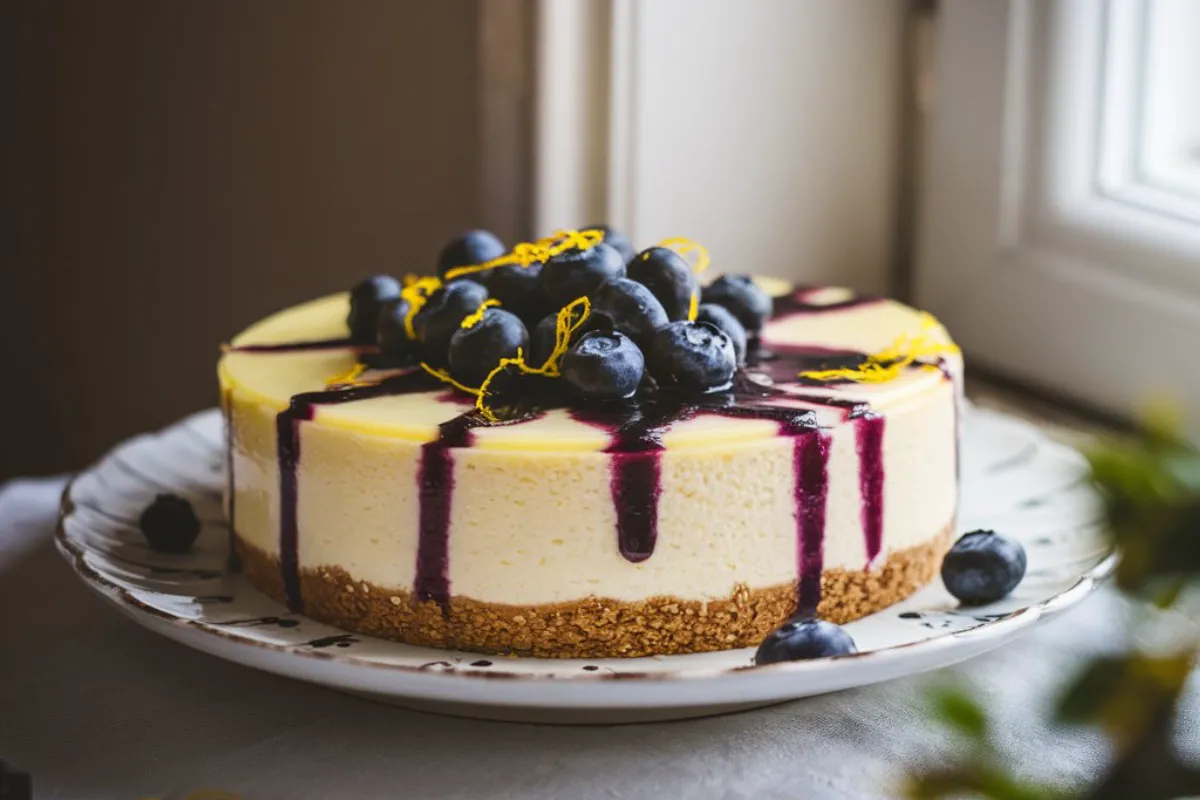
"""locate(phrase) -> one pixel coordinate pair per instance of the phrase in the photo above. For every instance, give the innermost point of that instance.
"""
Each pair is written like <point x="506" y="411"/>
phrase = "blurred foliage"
<point x="1150" y="489"/>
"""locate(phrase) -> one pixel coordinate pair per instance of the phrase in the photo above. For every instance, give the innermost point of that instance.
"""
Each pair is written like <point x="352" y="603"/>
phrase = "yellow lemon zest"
<point x="688" y="248"/>
<point x="527" y="254"/>
<point x="349" y="378"/>
<point x="416" y="293"/>
<point x="887" y="364"/>
<point x="570" y="317"/>
<point x="694" y="306"/>
<point x="444" y="376"/>
<point x="473" y="319"/>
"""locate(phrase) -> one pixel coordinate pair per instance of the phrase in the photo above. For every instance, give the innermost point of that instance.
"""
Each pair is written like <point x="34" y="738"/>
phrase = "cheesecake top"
<point x="821" y="356"/>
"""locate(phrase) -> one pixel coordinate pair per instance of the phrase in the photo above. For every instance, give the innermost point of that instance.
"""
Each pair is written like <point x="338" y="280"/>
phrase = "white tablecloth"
<point x="93" y="706"/>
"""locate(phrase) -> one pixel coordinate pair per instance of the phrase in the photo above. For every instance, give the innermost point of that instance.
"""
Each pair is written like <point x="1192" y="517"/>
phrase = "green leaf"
<point x="959" y="710"/>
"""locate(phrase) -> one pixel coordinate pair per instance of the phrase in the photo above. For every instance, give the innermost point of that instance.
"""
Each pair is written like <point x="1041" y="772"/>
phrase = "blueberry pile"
<point x="645" y="329"/>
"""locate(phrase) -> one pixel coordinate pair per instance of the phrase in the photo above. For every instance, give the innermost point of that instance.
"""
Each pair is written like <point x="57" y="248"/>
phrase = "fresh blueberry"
<point x="169" y="524"/>
<point x="442" y="316"/>
<point x="744" y="298"/>
<point x="802" y="639"/>
<point x="614" y="238"/>
<point x="668" y="276"/>
<point x="545" y="334"/>
<point x="719" y="317"/>
<point x="365" y="301"/>
<point x="519" y="290"/>
<point x="576" y="273"/>
<point x="633" y="309"/>
<point x="983" y="567"/>
<point x="395" y="348"/>
<point x="696" y="357"/>
<point x="475" y="351"/>
<point x="604" y="365"/>
<point x="473" y="247"/>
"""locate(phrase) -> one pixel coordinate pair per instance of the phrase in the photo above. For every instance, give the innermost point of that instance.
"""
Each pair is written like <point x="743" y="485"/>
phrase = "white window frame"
<point x="1041" y="245"/>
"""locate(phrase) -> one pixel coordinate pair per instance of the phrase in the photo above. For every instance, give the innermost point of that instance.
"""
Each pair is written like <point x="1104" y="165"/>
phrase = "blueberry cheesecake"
<point x="570" y="448"/>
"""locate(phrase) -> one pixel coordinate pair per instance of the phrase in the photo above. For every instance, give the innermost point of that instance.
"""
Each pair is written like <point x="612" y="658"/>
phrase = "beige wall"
<point x="173" y="171"/>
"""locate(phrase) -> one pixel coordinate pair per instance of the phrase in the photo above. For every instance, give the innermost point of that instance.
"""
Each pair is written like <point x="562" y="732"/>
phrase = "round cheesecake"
<point x="389" y="506"/>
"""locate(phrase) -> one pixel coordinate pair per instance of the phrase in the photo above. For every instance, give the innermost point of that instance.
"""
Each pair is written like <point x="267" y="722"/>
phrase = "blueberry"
<point x="473" y="247"/>
<point x="744" y="298"/>
<point x="365" y="301"/>
<point x="442" y="316"/>
<point x="577" y="273"/>
<point x="519" y="290"/>
<point x="692" y="356"/>
<point x="797" y="640"/>
<point x="719" y="317"/>
<point x="983" y="567"/>
<point x="616" y="239"/>
<point x="633" y="309"/>
<point x="545" y="334"/>
<point x="395" y="348"/>
<point x="605" y="365"/>
<point x="475" y="351"/>
<point x="668" y="276"/>
<point x="169" y="524"/>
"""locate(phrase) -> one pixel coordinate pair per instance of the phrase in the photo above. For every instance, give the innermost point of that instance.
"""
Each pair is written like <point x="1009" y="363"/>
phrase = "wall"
<point x="173" y="171"/>
<point x="769" y="130"/>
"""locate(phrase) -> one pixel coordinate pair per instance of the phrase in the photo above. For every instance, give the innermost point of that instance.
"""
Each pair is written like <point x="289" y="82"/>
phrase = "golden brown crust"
<point x="594" y="627"/>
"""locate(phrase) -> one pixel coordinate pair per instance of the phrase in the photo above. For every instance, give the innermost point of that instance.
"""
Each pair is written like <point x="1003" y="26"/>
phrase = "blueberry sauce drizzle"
<point x="636" y="429"/>
<point x="796" y="303"/>
<point x="300" y="347"/>
<point x="287" y="429"/>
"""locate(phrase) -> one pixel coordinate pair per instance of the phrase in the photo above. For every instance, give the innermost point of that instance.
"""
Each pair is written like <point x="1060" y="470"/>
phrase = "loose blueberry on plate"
<point x="797" y="640"/>
<point x="395" y="348"/>
<point x="633" y="309"/>
<point x="668" y="277"/>
<point x="744" y="298"/>
<point x="604" y="365"/>
<point x="475" y="351"/>
<point x="695" y="357"/>
<point x="169" y="524"/>
<point x="442" y="316"/>
<point x="366" y="299"/>
<point x="519" y="290"/>
<point x="616" y="239"/>
<point x="473" y="247"/>
<point x="719" y="317"/>
<point x="982" y="567"/>
<point x="579" y="272"/>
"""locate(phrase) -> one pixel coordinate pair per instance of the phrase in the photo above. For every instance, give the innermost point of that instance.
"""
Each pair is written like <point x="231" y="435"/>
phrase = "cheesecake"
<point x="633" y="461"/>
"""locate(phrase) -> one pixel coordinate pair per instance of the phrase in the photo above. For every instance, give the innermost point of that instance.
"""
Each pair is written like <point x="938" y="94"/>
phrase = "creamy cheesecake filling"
<point x="396" y="486"/>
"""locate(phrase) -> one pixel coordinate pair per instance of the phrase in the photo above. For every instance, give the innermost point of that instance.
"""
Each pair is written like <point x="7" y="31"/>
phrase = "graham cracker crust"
<point x="594" y="627"/>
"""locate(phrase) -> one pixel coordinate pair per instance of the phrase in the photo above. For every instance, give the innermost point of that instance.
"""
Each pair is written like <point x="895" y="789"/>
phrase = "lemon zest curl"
<point x="887" y="364"/>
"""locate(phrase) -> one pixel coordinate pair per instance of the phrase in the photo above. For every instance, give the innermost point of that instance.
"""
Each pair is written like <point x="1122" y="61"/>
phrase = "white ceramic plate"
<point x="1014" y="480"/>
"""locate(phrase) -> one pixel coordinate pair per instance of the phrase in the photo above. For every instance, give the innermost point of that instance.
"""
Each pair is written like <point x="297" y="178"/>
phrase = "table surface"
<point x="94" y="706"/>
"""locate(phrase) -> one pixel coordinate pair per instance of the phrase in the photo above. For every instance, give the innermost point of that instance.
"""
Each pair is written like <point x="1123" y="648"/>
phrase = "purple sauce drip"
<point x="299" y="347"/>
<point x="795" y="303"/>
<point x="811" y="488"/>
<point x="636" y="428"/>
<point x="435" y="482"/>
<point x="287" y="432"/>
<point x="868" y="434"/>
